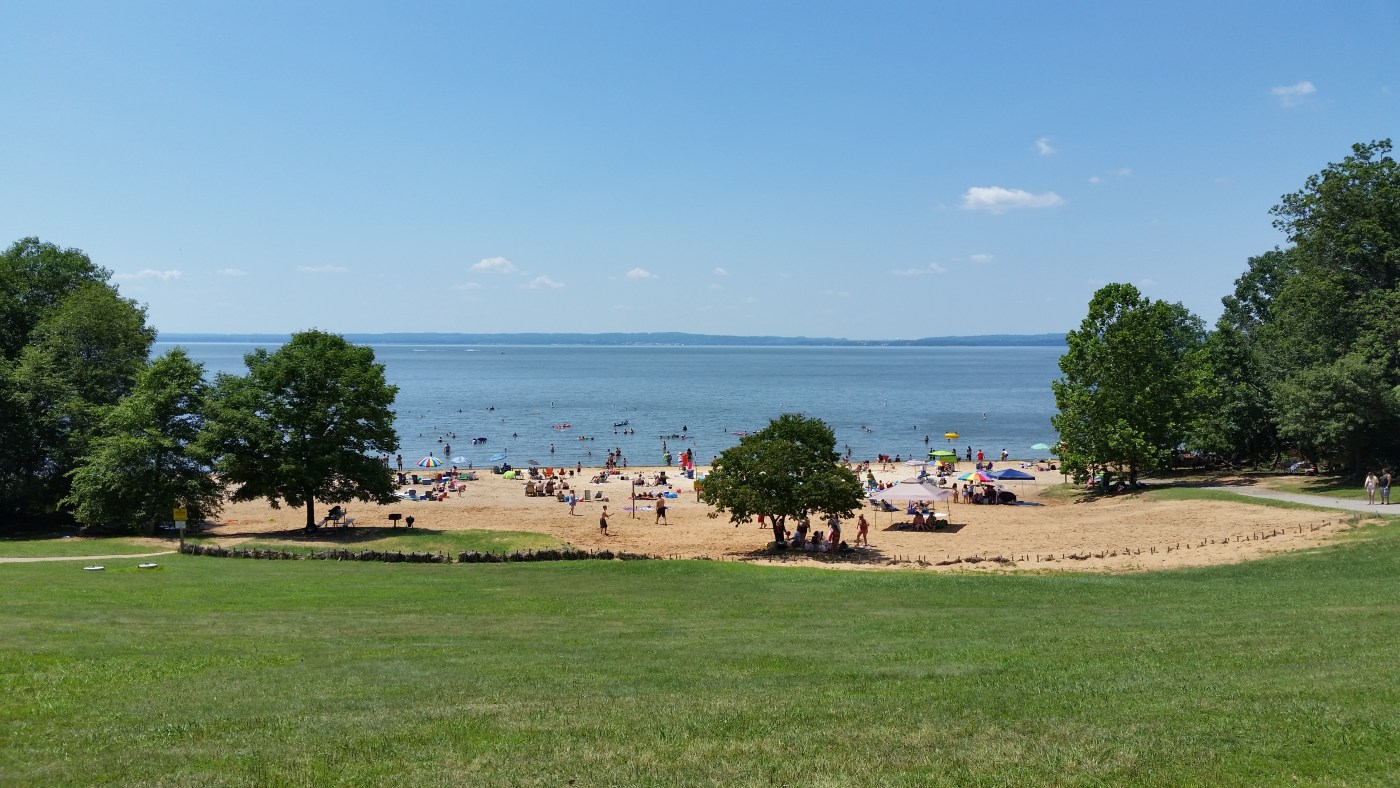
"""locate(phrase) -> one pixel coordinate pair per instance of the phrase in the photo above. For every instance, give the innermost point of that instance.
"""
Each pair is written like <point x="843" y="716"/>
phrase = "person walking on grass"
<point x="603" y="520"/>
<point x="661" y="510"/>
<point x="1385" y="486"/>
<point x="1371" y="484"/>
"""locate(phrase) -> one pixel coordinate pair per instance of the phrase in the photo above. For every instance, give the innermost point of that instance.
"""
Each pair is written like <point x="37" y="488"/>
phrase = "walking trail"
<point x="84" y="557"/>
<point x="1350" y="504"/>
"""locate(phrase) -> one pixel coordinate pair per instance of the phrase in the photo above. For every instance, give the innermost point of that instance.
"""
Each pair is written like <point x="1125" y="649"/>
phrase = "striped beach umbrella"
<point x="976" y="476"/>
<point x="430" y="462"/>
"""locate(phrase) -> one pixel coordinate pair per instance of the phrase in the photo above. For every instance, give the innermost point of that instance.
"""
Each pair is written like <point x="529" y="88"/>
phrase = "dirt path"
<point x="83" y="557"/>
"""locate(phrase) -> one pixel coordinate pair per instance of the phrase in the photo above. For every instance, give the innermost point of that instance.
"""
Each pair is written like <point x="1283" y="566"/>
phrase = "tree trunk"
<point x="310" y="513"/>
<point x="778" y="528"/>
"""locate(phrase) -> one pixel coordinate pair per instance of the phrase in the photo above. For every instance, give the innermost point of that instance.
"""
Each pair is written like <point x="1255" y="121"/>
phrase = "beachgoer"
<point x="862" y="531"/>
<point x="573" y="501"/>
<point x="1004" y="455"/>
<point x="834" y="523"/>
<point x="1385" y="486"/>
<point x="399" y="458"/>
<point x="980" y="455"/>
<point x="969" y="453"/>
<point x="661" y="509"/>
<point x="603" y="520"/>
<point x="1371" y="484"/>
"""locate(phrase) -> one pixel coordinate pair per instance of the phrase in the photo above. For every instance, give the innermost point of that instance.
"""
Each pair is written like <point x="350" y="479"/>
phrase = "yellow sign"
<point x="180" y="514"/>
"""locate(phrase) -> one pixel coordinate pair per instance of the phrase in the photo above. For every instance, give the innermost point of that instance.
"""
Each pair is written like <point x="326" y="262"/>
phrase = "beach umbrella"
<point x="912" y="490"/>
<point x="942" y="454"/>
<point x="497" y="457"/>
<point x="1041" y="447"/>
<point x="430" y="462"/>
<point x="916" y="462"/>
<point x="459" y="459"/>
<point x="976" y="476"/>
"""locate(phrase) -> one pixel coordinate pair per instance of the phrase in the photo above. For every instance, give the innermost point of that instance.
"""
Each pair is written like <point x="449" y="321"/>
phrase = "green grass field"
<point x="35" y="548"/>
<point x="239" y="672"/>
<point x="1330" y="486"/>
<point x="421" y="540"/>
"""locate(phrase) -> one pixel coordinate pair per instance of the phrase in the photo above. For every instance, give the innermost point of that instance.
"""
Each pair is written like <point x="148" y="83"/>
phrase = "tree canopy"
<point x="788" y="469"/>
<point x="1122" y="401"/>
<point x="307" y="423"/>
<point x="144" y="464"/>
<point x="70" y="349"/>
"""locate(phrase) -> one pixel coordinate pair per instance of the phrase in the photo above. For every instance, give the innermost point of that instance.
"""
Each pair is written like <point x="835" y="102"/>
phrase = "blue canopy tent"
<point x="1011" y="475"/>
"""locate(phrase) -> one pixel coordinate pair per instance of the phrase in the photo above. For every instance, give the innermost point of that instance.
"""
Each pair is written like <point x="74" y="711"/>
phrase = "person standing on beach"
<point x="969" y="454"/>
<point x="399" y="458"/>
<point x="834" y="523"/>
<point x="863" y="531"/>
<point x="1385" y="486"/>
<point x="661" y="509"/>
<point x="573" y="501"/>
<point x="1371" y="483"/>
<point x="603" y="520"/>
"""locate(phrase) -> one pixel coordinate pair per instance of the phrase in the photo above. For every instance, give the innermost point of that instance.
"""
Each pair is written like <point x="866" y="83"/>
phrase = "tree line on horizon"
<point x="1303" y="364"/>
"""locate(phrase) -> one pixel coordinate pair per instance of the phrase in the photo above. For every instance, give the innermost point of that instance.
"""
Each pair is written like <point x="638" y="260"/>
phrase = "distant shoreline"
<point x="662" y="339"/>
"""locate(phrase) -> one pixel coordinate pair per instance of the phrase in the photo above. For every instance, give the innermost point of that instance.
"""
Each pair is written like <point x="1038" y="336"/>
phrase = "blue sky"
<point x="885" y="170"/>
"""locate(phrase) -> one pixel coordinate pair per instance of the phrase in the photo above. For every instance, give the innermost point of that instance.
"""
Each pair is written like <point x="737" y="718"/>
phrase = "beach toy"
<point x="93" y="568"/>
<point x="952" y="436"/>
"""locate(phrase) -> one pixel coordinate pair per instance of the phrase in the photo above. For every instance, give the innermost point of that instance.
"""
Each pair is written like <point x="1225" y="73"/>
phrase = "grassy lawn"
<point x="237" y="672"/>
<point x="1222" y="494"/>
<point x="36" y="548"/>
<point x="422" y="540"/>
<point x="1330" y="486"/>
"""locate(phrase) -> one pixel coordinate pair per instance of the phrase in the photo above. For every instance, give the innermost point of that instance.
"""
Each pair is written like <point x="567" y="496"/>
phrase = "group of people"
<point x="829" y="540"/>
<point x="1378" y="484"/>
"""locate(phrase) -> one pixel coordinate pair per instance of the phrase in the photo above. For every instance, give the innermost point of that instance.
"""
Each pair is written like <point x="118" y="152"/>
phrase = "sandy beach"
<point x="1115" y="534"/>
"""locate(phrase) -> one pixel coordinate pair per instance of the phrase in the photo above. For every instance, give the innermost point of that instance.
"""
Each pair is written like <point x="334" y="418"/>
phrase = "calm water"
<point x="878" y="400"/>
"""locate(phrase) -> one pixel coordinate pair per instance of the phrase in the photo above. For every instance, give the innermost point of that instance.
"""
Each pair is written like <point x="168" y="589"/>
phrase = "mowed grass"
<point x="240" y="672"/>
<point x="60" y="547"/>
<point x="421" y="540"/>
<point x="1222" y="494"/>
<point x="1330" y="486"/>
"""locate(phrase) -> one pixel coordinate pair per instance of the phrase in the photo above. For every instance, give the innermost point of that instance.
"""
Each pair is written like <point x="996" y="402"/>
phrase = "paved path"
<point x="84" y="557"/>
<point x="1350" y="504"/>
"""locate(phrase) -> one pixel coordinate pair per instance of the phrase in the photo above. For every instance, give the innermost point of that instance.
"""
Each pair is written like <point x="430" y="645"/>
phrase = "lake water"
<point x="878" y="399"/>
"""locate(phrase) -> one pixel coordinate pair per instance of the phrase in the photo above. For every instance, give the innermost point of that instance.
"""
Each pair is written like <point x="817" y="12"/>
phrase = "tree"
<point x="143" y="463"/>
<point x="1123" y="400"/>
<point x="1336" y="411"/>
<point x="70" y="348"/>
<point x="787" y="469"/>
<point x="307" y="423"/>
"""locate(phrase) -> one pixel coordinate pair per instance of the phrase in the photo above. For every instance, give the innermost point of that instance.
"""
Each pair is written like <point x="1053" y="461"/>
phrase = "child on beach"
<point x="603" y="520"/>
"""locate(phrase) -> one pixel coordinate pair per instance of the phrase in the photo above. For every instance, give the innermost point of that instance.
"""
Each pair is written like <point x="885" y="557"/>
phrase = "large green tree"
<point x="307" y="423"/>
<point x="143" y="463"/>
<point x="787" y="469"/>
<point x="1123" y="400"/>
<point x="70" y="348"/>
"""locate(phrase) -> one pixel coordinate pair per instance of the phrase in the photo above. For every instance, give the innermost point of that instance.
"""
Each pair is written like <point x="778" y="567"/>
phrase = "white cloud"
<point x="496" y="265"/>
<point x="640" y="273"/>
<point x="467" y="286"/>
<point x="937" y="269"/>
<point x="996" y="199"/>
<point x="148" y="273"/>
<point x="321" y="269"/>
<point x="720" y="272"/>
<point x="544" y="281"/>
<point x="1123" y="172"/>
<point x="1293" y="95"/>
<point x="232" y="272"/>
<point x="982" y="258"/>
<point x="1095" y="179"/>
<point x="908" y="272"/>
<point x="1042" y="146"/>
